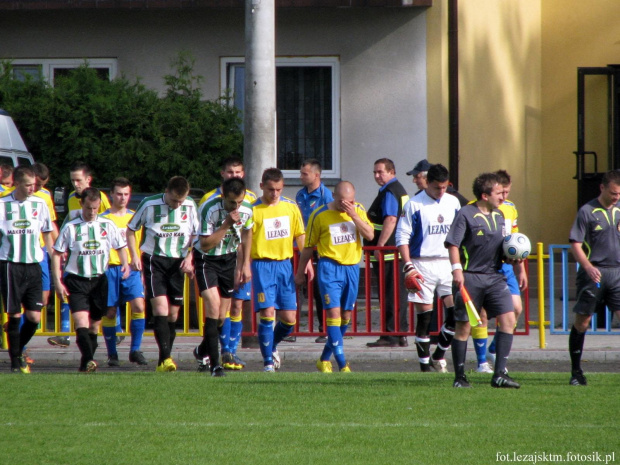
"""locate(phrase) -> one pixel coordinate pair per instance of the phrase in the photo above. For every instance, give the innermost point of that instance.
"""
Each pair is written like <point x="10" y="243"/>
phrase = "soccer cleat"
<point x="504" y="381"/>
<point x="441" y="366"/>
<point x="578" y="379"/>
<point x="137" y="357"/>
<point x="119" y="339"/>
<point x="427" y="367"/>
<point x="113" y="361"/>
<point x="321" y="340"/>
<point x="166" y="365"/>
<point x="240" y="364"/>
<point x="91" y="367"/>
<point x="277" y="363"/>
<point x="204" y="363"/>
<point x="60" y="341"/>
<point x="29" y="361"/>
<point x="21" y="366"/>
<point x="345" y="369"/>
<point x="269" y="369"/>
<point x="228" y="362"/>
<point x="290" y="339"/>
<point x="491" y="356"/>
<point x="461" y="382"/>
<point x="484" y="368"/>
<point x="324" y="367"/>
<point x="218" y="372"/>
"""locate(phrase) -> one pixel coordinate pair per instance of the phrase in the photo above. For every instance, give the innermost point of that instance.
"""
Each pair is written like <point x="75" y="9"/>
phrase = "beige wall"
<point x="575" y="34"/>
<point x="500" y="101"/>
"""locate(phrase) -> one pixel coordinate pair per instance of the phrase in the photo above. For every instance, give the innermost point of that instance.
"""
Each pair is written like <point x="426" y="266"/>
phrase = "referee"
<point x="87" y="241"/>
<point x="23" y="217"/>
<point x="170" y="225"/>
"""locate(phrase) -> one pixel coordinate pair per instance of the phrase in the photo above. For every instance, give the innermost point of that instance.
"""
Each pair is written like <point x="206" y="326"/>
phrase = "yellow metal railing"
<point x="541" y="323"/>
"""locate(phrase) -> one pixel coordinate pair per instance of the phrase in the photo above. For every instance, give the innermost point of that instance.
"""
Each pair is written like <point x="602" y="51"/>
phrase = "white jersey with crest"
<point x="88" y="244"/>
<point x="167" y="232"/>
<point x="21" y="224"/>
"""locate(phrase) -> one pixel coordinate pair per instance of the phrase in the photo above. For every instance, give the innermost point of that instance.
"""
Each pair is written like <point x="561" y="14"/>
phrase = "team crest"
<point x="343" y="228"/>
<point x="35" y="213"/>
<point x="440" y="219"/>
<point x="277" y="224"/>
<point x="184" y="217"/>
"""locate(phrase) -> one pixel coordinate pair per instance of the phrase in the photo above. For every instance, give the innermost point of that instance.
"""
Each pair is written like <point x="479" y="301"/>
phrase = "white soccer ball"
<point x="517" y="246"/>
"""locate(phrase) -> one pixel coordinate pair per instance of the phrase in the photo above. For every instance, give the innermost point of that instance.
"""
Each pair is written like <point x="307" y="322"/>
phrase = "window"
<point x="49" y="69"/>
<point x="307" y="106"/>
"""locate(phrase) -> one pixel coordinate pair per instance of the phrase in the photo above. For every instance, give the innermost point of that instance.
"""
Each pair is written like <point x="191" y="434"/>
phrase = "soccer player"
<point x="121" y="291"/>
<point x="595" y="245"/>
<point x="516" y="285"/>
<point x="277" y="223"/>
<point x="225" y="225"/>
<point x="313" y="195"/>
<point x="337" y="230"/>
<point x="230" y="330"/>
<point x="170" y="224"/>
<point x="384" y="213"/>
<point x="81" y="178"/>
<point x="475" y="248"/>
<point x="87" y="240"/>
<point x="420" y="236"/>
<point x="6" y="183"/>
<point x="23" y="217"/>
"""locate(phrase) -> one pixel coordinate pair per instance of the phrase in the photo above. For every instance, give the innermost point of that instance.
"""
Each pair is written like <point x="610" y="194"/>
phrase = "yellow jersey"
<point x="250" y="196"/>
<point x="121" y="224"/>
<point x="510" y="214"/>
<point x="335" y="235"/>
<point x="275" y="229"/>
<point x="74" y="205"/>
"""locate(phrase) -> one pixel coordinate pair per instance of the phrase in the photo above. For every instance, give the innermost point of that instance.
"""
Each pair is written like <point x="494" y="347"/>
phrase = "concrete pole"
<point x="260" y="90"/>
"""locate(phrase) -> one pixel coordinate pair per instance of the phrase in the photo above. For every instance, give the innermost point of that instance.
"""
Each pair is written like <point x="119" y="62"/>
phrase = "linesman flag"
<point x="472" y="313"/>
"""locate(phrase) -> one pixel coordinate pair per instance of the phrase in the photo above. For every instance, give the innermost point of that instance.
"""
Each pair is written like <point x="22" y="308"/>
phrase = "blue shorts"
<point x="274" y="285"/>
<point x="338" y="284"/>
<point x="122" y="290"/>
<point x="511" y="279"/>
<point x="45" y="271"/>
<point x="244" y="292"/>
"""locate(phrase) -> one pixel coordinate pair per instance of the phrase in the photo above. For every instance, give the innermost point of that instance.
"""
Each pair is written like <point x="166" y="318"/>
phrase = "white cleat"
<point x="277" y="363"/>
<point x="484" y="368"/>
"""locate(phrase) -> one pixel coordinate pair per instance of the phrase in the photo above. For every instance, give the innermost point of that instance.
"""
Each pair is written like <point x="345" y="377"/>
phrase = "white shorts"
<point x="437" y="274"/>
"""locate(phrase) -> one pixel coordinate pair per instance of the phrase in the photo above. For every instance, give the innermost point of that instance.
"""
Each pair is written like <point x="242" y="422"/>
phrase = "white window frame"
<point x="227" y="75"/>
<point x="48" y="65"/>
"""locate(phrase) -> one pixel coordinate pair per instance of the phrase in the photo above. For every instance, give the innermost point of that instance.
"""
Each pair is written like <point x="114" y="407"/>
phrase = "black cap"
<point x="423" y="165"/>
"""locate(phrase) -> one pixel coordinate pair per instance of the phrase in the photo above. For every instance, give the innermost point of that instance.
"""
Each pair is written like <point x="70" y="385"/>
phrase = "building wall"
<point x="499" y="97"/>
<point x="382" y="53"/>
<point x="575" y="34"/>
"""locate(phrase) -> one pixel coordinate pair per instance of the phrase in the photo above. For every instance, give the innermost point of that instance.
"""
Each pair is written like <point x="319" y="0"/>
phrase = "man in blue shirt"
<point x="313" y="195"/>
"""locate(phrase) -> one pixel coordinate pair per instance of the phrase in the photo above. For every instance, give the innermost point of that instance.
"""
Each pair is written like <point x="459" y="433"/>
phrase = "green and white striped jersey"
<point x="212" y="214"/>
<point x="21" y="224"/>
<point x="167" y="232"/>
<point x="88" y="244"/>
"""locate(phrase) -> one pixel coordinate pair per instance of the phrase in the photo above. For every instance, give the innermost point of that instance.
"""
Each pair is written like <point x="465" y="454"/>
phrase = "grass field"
<point x="302" y="418"/>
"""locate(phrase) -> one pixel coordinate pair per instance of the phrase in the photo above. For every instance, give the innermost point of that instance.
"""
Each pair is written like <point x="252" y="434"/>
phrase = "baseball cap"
<point x="423" y="165"/>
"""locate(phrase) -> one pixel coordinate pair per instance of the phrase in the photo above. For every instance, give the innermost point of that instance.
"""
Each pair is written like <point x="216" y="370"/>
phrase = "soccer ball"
<point x="517" y="246"/>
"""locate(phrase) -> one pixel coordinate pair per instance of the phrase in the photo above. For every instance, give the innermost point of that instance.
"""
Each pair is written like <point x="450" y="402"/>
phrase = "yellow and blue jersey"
<point x="335" y="235"/>
<point x="250" y="196"/>
<point x="275" y="229"/>
<point x="74" y="205"/>
<point x="510" y="214"/>
<point x="121" y="222"/>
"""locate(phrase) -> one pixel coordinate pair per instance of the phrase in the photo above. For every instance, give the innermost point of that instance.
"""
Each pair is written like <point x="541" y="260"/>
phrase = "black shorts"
<point x="216" y="272"/>
<point x="487" y="290"/>
<point x="21" y="285"/>
<point x="87" y="294"/>
<point x="163" y="277"/>
<point x="590" y="294"/>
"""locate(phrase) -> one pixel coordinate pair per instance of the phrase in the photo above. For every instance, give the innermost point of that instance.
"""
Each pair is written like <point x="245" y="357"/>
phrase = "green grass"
<point x="300" y="418"/>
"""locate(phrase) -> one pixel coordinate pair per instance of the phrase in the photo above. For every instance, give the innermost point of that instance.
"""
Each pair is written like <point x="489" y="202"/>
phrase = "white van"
<point x="13" y="151"/>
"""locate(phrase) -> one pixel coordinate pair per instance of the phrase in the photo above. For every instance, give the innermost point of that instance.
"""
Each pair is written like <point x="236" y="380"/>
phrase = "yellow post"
<point x="541" y="296"/>
<point x="5" y="320"/>
<point x="186" y="305"/>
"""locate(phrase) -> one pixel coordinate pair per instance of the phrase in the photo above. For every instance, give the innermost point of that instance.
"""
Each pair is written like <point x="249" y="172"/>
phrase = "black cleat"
<point x="137" y="357"/>
<point x="204" y="363"/>
<point x="461" y="382"/>
<point x="218" y="372"/>
<point x="578" y="379"/>
<point x="504" y="381"/>
<point x="113" y="361"/>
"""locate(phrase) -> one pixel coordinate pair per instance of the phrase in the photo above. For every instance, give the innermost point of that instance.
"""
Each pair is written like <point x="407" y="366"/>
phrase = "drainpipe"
<point x="453" y="91"/>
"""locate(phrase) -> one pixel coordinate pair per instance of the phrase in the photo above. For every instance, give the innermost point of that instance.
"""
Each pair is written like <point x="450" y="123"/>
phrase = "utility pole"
<point x="260" y="90"/>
